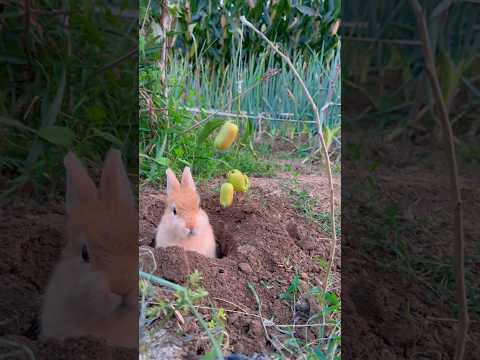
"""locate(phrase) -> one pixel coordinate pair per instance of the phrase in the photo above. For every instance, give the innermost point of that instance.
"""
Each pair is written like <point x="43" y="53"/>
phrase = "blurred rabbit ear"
<point x="172" y="182"/>
<point x="114" y="184"/>
<point x="187" y="180"/>
<point x="80" y="187"/>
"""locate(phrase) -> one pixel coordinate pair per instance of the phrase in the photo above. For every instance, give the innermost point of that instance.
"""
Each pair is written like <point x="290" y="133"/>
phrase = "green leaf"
<point x="162" y="161"/>
<point x="208" y="128"/>
<point x="58" y="135"/>
<point x="212" y="355"/>
<point x="96" y="113"/>
<point x="319" y="354"/>
<point x="15" y="123"/>
<point x="108" y="137"/>
<point x="305" y="10"/>
<point x="54" y="109"/>
<point x="293" y="288"/>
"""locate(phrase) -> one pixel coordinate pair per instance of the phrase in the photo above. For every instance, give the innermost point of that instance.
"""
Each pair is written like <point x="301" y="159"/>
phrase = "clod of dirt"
<point x="292" y="230"/>
<point x="245" y="267"/>
<point x="399" y="333"/>
<point x="256" y="328"/>
<point x="163" y="345"/>
<point x="307" y="244"/>
<point x="172" y="263"/>
<point x="364" y="295"/>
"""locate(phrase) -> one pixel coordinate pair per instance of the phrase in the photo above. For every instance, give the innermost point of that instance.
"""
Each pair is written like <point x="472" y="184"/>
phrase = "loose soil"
<point x="398" y="280"/>
<point x="31" y="240"/>
<point x="263" y="240"/>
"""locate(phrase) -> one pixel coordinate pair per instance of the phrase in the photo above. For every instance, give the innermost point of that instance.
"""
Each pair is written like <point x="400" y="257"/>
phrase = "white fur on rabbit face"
<point x="175" y="224"/>
<point x="90" y="298"/>
<point x="93" y="289"/>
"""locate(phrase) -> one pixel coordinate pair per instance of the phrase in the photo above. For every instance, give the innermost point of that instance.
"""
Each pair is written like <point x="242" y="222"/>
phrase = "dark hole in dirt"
<point x="225" y="241"/>
<point x="152" y="242"/>
<point x="34" y="330"/>
<point x="220" y="252"/>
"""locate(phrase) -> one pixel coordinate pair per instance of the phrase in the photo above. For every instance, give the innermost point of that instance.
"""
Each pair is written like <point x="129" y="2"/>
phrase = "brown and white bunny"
<point x="184" y="223"/>
<point x="94" y="287"/>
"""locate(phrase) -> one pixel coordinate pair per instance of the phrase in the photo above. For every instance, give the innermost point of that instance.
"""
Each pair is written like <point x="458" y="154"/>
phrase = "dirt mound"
<point x="31" y="240"/>
<point x="261" y="240"/>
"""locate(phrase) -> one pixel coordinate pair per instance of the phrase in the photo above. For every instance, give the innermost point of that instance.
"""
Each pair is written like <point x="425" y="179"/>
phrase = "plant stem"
<point x="287" y="60"/>
<point x="459" y="255"/>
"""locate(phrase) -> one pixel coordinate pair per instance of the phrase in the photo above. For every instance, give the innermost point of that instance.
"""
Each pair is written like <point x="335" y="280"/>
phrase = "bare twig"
<point x="322" y="141"/>
<point x="454" y="181"/>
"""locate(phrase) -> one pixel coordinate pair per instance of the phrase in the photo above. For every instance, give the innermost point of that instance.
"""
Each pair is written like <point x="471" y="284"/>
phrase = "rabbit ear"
<point x="80" y="187"/>
<point x="114" y="184"/>
<point x="172" y="182"/>
<point x="187" y="180"/>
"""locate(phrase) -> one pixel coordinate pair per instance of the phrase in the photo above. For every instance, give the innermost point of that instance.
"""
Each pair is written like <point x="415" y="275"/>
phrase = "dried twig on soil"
<point x="454" y="181"/>
<point x="287" y="60"/>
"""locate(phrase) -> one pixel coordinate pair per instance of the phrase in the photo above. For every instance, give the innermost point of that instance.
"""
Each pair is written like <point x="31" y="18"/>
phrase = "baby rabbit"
<point x="94" y="288"/>
<point x="184" y="223"/>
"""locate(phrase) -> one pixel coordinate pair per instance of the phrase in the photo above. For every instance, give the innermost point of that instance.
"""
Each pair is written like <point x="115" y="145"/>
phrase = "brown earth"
<point x="262" y="239"/>
<point x="398" y="281"/>
<point x="31" y="239"/>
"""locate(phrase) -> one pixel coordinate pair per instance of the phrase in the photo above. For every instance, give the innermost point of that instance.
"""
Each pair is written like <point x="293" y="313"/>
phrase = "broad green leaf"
<point x="58" y="135"/>
<point x="208" y="128"/>
<point x="108" y="137"/>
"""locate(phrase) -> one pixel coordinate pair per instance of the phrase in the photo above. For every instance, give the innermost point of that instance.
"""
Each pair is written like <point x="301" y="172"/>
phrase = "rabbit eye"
<point x="174" y="211"/>
<point x="85" y="256"/>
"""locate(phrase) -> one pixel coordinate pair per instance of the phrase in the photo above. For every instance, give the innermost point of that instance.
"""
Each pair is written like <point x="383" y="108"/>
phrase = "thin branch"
<point x="454" y="181"/>
<point x="287" y="60"/>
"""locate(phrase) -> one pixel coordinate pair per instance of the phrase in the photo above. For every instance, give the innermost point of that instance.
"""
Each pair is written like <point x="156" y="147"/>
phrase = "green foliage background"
<point x="65" y="85"/>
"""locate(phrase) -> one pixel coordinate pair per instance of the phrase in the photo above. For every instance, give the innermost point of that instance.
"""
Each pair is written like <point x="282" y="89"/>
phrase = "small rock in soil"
<point x="307" y="244"/>
<point x="303" y="286"/>
<point x="302" y="306"/>
<point x="245" y="267"/>
<point x="233" y="318"/>
<point x="246" y="249"/>
<point x="292" y="230"/>
<point x="256" y="328"/>
<point x="314" y="305"/>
